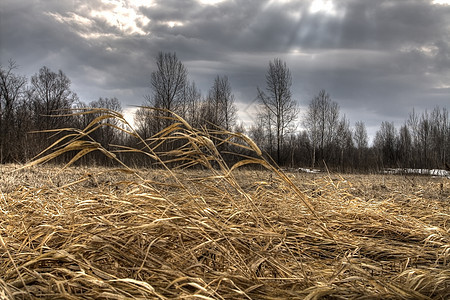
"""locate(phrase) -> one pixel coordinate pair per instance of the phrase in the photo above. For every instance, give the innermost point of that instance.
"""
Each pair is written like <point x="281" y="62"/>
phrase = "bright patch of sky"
<point x="172" y="24"/>
<point x="322" y="6"/>
<point x="446" y="2"/>
<point x="128" y="114"/>
<point x="210" y="2"/>
<point x="122" y="15"/>
<point x="327" y="8"/>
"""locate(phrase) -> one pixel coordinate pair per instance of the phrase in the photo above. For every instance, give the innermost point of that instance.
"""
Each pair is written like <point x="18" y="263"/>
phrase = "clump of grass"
<point x="217" y="232"/>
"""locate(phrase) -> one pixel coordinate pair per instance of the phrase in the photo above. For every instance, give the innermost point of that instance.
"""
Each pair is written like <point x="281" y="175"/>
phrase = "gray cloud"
<point x="378" y="59"/>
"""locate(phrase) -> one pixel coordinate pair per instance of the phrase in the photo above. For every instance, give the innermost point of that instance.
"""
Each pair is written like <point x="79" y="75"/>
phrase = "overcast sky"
<point x="377" y="59"/>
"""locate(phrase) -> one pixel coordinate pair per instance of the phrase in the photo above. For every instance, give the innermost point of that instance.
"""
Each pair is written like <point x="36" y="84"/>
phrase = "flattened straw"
<point x="220" y="234"/>
<point x="2" y="242"/>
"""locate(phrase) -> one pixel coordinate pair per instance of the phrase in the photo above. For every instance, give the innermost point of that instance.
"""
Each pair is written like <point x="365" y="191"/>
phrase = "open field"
<point x="105" y="234"/>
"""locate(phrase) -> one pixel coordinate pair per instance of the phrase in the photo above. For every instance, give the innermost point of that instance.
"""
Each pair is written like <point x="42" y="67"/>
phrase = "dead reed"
<point x="219" y="232"/>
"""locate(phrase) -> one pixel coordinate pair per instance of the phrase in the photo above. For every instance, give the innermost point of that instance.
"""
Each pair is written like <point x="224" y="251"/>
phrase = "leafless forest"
<point x="32" y="112"/>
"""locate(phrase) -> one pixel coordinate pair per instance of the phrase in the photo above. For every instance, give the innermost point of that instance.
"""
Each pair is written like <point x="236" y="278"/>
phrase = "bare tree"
<point x="404" y="145"/>
<point x="429" y="138"/>
<point x="23" y="125"/>
<point x="344" y="141"/>
<point x="361" y="141"/>
<point x="439" y="136"/>
<point x="145" y="122"/>
<point x="168" y="83"/>
<point x="424" y="139"/>
<point x="321" y="122"/>
<point x="277" y="103"/>
<point x="192" y="104"/>
<point x="312" y="125"/>
<point x="12" y="88"/>
<point x="360" y="135"/>
<point x="445" y="152"/>
<point x="51" y="95"/>
<point x="51" y="99"/>
<point x="219" y="106"/>
<point x="384" y="144"/>
<point x="106" y="135"/>
<point x="258" y="133"/>
<point x="413" y="126"/>
<point x="264" y="124"/>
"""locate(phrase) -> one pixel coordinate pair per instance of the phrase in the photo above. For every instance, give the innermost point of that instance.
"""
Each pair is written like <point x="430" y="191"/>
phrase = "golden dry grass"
<point x="221" y="233"/>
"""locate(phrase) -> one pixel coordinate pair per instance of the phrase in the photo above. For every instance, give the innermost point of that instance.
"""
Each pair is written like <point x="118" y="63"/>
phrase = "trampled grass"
<point x="220" y="231"/>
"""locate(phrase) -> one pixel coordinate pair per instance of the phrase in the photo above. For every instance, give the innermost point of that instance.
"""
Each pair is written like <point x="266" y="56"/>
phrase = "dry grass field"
<point x="218" y="231"/>
<point x="97" y="233"/>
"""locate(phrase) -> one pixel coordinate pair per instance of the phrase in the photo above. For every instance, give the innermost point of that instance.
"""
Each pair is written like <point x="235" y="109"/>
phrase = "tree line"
<point x="319" y="137"/>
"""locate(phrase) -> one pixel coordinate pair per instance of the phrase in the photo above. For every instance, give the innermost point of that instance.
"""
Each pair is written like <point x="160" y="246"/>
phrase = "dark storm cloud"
<point x="377" y="59"/>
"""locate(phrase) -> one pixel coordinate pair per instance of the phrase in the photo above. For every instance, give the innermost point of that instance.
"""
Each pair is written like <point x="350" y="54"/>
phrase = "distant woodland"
<point x="31" y="109"/>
